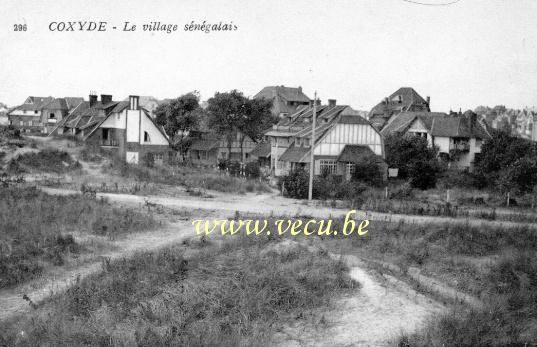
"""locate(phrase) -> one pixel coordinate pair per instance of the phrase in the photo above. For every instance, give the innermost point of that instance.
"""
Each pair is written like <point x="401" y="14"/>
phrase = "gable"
<point x="155" y="134"/>
<point x="417" y="126"/>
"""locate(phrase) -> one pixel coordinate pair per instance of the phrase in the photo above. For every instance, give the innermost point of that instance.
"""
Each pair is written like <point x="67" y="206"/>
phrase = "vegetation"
<point x="232" y="113"/>
<point x="508" y="163"/>
<point x="46" y="160"/>
<point x="414" y="158"/>
<point x="495" y="264"/>
<point x="36" y="229"/>
<point x="237" y="294"/>
<point x="188" y="177"/>
<point x="179" y="117"/>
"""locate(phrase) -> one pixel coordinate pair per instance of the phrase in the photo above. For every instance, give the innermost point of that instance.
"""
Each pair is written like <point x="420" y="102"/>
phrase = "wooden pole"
<point x="312" y="146"/>
<point x="507" y="199"/>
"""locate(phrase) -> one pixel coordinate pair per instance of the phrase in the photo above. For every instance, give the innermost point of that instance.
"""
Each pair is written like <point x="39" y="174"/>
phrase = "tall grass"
<point x="236" y="294"/>
<point x="187" y="176"/>
<point x="46" y="160"/>
<point x="36" y="229"/>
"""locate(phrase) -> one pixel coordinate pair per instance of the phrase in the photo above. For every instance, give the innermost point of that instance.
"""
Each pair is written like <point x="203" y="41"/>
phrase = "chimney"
<point x="386" y="100"/>
<point x="318" y="102"/>
<point x="299" y="89"/>
<point x="105" y="99"/>
<point x="472" y="120"/>
<point x="311" y="103"/>
<point x="133" y="102"/>
<point x="429" y="102"/>
<point x="332" y="102"/>
<point x="92" y="99"/>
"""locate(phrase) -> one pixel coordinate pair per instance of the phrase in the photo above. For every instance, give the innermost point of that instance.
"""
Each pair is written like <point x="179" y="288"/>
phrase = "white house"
<point x="459" y="137"/>
<point x="342" y="139"/>
<point x="130" y="131"/>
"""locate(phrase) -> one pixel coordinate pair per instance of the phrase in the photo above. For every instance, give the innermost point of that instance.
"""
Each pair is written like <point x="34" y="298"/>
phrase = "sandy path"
<point x="381" y="309"/>
<point x="279" y="206"/>
<point x="11" y="300"/>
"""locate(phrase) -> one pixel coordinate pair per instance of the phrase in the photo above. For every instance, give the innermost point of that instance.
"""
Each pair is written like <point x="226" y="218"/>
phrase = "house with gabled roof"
<point x="55" y="111"/>
<point x="128" y="130"/>
<point x="342" y="138"/>
<point x="458" y="137"/>
<point x="27" y="117"/>
<point x="404" y="99"/>
<point x="81" y="120"/>
<point x="285" y="100"/>
<point x="208" y="148"/>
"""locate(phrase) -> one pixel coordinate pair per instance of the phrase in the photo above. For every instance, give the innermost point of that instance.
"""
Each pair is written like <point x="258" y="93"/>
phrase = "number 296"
<point x="19" y="27"/>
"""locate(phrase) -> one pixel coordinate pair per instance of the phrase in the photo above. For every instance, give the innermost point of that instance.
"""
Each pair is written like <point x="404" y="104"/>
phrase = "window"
<point x="350" y="168"/>
<point x="36" y="111"/>
<point x="146" y="137"/>
<point x="52" y="116"/>
<point x="21" y="123"/>
<point x="159" y="158"/>
<point x="328" y="167"/>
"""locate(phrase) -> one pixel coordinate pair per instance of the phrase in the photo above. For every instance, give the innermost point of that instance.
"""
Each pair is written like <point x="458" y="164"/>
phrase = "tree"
<point x="256" y="118"/>
<point x="407" y="152"/>
<point x="232" y="113"/>
<point x="179" y="117"/>
<point x="508" y="162"/>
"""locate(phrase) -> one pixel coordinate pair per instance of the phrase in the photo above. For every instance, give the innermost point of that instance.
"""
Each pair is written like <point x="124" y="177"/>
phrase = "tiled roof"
<point x="262" y="150"/>
<point x="73" y="102"/>
<point x="352" y="119"/>
<point x="287" y="93"/>
<point x="57" y="104"/>
<point x="458" y="126"/>
<point x="121" y="106"/>
<point x="356" y="154"/>
<point x="37" y="103"/>
<point x="295" y="154"/>
<point x="404" y="99"/>
<point x="400" y="122"/>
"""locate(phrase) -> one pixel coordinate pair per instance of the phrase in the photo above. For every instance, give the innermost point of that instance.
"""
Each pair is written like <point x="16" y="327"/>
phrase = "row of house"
<point x="343" y="137"/>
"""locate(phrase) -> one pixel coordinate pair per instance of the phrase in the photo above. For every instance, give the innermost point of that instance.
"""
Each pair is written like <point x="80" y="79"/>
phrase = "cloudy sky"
<point x="358" y="51"/>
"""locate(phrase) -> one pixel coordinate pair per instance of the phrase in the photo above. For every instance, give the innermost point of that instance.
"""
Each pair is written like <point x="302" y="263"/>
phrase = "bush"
<point x="252" y="169"/>
<point x="149" y="160"/>
<point x="47" y="160"/>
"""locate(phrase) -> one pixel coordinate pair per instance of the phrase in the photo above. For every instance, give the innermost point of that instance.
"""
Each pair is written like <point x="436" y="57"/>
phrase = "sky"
<point x="473" y="52"/>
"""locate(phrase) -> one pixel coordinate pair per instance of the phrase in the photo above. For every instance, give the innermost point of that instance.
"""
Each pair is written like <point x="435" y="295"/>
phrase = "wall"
<point x="349" y="134"/>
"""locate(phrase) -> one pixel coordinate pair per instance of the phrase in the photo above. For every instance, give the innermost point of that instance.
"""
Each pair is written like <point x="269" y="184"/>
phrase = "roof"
<point x="295" y="154"/>
<point x="356" y="154"/>
<point x="121" y="106"/>
<point x="401" y="121"/>
<point x="459" y="126"/>
<point x="57" y="104"/>
<point x="73" y="101"/>
<point x="287" y="93"/>
<point x="34" y="103"/>
<point x="262" y="150"/>
<point x="403" y="99"/>
<point x="204" y="145"/>
<point x="352" y="119"/>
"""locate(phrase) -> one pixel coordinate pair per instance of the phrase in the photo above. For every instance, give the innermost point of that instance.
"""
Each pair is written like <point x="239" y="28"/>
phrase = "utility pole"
<point x="312" y="145"/>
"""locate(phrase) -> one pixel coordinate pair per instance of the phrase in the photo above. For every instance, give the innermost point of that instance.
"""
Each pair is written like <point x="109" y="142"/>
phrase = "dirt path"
<point x="267" y="204"/>
<point x="11" y="300"/>
<point x="375" y="315"/>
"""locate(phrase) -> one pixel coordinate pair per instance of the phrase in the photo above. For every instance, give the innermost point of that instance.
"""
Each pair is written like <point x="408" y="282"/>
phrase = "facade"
<point x="405" y="99"/>
<point x="27" y="117"/>
<point x="342" y="139"/>
<point x="55" y="111"/>
<point x="129" y="131"/>
<point x="459" y="137"/>
<point x="285" y="100"/>
<point x="41" y="114"/>
<point x="208" y="148"/>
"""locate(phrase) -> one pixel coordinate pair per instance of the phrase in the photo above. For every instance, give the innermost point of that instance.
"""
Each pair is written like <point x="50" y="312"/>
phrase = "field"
<point x="115" y="245"/>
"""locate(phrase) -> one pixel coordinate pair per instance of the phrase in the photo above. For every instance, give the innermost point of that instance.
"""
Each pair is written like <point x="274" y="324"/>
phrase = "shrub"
<point x="252" y="169"/>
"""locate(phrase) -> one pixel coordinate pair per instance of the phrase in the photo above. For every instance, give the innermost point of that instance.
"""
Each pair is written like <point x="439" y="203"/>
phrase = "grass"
<point x="495" y="264"/>
<point x="187" y="176"/>
<point x="46" y="160"/>
<point x="36" y="229"/>
<point x="235" y="294"/>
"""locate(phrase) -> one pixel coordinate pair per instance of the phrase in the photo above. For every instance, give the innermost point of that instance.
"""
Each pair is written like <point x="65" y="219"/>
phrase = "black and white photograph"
<point x="268" y="173"/>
